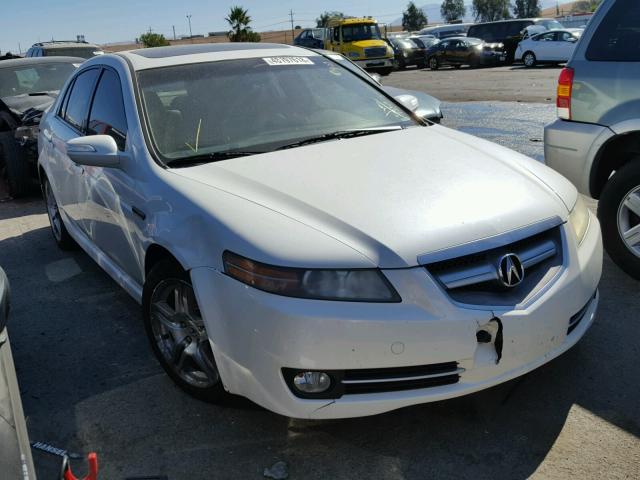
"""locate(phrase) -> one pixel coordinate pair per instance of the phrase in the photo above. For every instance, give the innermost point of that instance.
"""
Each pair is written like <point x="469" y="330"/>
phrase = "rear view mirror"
<point x="94" y="151"/>
<point x="409" y="101"/>
<point x="4" y="300"/>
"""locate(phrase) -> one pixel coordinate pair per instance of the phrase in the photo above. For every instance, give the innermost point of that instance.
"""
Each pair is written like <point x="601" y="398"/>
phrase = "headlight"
<point x="579" y="219"/>
<point x="353" y="54"/>
<point x="366" y="285"/>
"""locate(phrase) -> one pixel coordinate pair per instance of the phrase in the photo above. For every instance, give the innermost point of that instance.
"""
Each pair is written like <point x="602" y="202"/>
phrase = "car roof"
<point x="146" y="58"/>
<point x="64" y="44"/>
<point x="20" y="62"/>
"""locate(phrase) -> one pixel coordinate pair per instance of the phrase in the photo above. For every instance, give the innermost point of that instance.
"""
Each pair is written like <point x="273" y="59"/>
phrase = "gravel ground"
<point x="469" y="84"/>
<point x="89" y="381"/>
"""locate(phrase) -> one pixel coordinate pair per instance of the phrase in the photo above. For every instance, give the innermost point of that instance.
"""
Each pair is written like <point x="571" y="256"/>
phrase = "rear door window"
<point x="75" y="113"/>
<point x="617" y="38"/>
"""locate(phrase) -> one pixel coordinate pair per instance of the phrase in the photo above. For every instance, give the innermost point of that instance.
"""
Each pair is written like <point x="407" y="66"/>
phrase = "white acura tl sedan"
<point x="297" y="236"/>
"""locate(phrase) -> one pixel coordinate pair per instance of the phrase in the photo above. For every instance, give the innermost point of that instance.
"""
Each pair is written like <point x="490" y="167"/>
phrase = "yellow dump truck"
<point x="360" y="41"/>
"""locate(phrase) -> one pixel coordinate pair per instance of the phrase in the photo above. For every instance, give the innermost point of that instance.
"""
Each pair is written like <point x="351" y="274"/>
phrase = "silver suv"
<point x="595" y="142"/>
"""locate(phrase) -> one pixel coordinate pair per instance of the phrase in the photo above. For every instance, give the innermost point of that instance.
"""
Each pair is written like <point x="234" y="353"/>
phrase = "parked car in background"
<point x="297" y="236"/>
<point x="311" y="38"/>
<point x="15" y="455"/>
<point x="408" y="52"/>
<point x="427" y="40"/>
<point x="64" y="48"/>
<point x="509" y="32"/>
<point x="360" y="41"/>
<point x="460" y="51"/>
<point x="446" y="31"/>
<point x="554" y="46"/>
<point x="28" y="87"/>
<point x="595" y="142"/>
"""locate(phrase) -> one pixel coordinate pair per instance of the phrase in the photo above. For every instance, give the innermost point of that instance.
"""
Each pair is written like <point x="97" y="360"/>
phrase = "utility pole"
<point x="292" y="29"/>
<point x="19" y="49"/>
<point x="190" y="32"/>
<point x="174" y="31"/>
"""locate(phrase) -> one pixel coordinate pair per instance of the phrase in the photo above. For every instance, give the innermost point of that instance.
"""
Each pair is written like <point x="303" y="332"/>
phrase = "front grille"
<point x="375" y="52"/>
<point x="474" y="278"/>
<point x="380" y="380"/>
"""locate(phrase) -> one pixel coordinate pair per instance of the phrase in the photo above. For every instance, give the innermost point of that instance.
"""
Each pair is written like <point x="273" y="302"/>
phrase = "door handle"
<point x="47" y="135"/>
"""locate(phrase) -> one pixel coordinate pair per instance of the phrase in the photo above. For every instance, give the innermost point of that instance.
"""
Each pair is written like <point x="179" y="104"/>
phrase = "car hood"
<point x="398" y="195"/>
<point x="20" y="104"/>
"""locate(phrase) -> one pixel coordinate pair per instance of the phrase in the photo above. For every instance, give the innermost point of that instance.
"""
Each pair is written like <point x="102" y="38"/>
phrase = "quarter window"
<point x="107" y="112"/>
<point x="75" y="112"/>
<point x="617" y="38"/>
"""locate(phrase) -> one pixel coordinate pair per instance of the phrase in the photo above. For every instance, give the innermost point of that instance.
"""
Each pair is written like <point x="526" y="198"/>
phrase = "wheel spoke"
<point x="166" y="316"/>
<point x="202" y="359"/>
<point x="632" y="237"/>
<point x="180" y="353"/>
<point x="633" y="203"/>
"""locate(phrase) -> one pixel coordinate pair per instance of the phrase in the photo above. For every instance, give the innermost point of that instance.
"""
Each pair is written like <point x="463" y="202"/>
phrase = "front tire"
<point x="433" y="63"/>
<point x="177" y="334"/>
<point x="58" y="229"/>
<point x="529" y="59"/>
<point x="619" y="215"/>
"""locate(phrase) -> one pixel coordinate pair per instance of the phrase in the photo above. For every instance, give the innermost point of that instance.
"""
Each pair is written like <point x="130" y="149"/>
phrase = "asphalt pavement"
<point x="89" y="381"/>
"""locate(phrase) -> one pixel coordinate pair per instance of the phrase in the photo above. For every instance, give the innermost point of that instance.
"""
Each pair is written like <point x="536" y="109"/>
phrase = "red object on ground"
<point x="92" y="460"/>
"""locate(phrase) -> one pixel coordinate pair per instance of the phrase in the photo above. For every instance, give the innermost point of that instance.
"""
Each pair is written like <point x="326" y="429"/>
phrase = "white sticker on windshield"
<point x="288" y="61"/>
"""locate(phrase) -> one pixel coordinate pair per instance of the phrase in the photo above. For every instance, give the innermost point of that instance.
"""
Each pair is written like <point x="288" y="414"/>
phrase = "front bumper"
<point x="570" y="148"/>
<point x="255" y="334"/>
<point x="375" y="63"/>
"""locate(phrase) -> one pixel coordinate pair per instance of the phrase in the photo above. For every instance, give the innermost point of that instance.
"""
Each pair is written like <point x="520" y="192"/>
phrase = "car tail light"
<point x="565" y="86"/>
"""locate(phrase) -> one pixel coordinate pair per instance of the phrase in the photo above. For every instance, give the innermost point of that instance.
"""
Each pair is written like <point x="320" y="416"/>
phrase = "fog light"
<point x="312" y="382"/>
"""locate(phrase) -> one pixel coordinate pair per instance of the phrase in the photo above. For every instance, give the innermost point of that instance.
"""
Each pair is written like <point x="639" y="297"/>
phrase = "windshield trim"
<point x="158" y="158"/>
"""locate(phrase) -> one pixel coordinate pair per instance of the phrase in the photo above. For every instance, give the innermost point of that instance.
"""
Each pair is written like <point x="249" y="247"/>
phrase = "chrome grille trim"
<point x="403" y="379"/>
<point x="487" y="271"/>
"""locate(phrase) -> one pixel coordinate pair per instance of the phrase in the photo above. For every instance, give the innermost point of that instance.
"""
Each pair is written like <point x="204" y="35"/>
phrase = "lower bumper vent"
<point x="380" y="380"/>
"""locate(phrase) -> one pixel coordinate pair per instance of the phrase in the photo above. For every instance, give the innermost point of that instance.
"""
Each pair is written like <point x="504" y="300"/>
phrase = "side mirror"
<point x="4" y="300"/>
<point x="572" y="39"/>
<point x="94" y="151"/>
<point x="409" y="101"/>
<point x="376" y="77"/>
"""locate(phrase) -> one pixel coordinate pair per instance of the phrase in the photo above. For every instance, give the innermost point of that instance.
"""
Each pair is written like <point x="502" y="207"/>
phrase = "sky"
<point x="123" y="20"/>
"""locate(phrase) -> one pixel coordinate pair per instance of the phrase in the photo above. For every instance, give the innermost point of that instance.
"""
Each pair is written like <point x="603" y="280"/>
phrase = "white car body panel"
<point x="382" y="201"/>
<point x="547" y="50"/>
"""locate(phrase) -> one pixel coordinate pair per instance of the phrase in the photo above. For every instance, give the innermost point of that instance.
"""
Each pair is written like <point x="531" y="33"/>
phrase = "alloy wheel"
<point x="53" y="211"/>
<point x="629" y="220"/>
<point x="529" y="60"/>
<point x="179" y="333"/>
<point x="433" y="63"/>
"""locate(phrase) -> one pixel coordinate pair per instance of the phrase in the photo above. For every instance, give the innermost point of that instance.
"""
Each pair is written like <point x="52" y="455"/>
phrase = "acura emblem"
<point x="510" y="270"/>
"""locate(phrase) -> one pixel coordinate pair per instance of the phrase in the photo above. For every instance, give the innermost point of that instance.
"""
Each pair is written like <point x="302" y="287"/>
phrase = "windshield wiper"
<point x="208" y="158"/>
<point x="40" y="94"/>
<point x="360" y="132"/>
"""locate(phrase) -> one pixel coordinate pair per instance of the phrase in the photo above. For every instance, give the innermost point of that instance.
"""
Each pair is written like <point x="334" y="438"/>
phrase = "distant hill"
<point x="432" y="11"/>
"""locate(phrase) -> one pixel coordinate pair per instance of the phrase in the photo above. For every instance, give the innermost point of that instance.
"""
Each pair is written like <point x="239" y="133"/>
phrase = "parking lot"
<point x="90" y="382"/>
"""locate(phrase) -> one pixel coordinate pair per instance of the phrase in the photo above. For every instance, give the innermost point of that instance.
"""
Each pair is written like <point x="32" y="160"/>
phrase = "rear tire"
<point x="433" y="63"/>
<point x="17" y="169"/>
<point x="58" y="230"/>
<point x="176" y="332"/>
<point x="529" y="59"/>
<point x="619" y="215"/>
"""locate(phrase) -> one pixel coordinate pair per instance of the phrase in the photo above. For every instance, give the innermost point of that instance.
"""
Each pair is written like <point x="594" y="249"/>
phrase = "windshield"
<point x="550" y="24"/>
<point x="364" y="31"/>
<point x="258" y="104"/>
<point x="82" y="52"/>
<point x="32" y="78"/>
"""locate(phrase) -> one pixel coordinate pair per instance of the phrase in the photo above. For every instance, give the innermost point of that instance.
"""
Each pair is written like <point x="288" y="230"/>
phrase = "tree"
<point x="585" y="6"/>
<point x="491" y="10"/>
<point x="153" y="40"/>
<point x="452" y="10"/>
<point x="413" y="18"/>
<point x="527" y="8"/>
<point x="239" y="21"/>
<point x="323" y="20"/>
